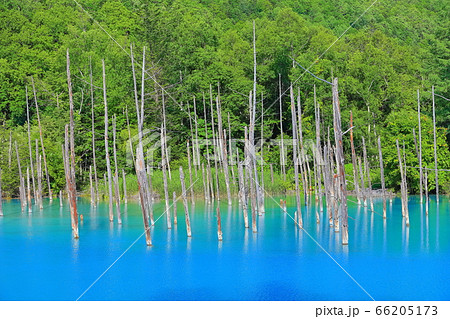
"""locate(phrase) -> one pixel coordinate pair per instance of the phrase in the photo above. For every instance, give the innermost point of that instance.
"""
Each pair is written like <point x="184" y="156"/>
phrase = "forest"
<point x="388" y="60"/>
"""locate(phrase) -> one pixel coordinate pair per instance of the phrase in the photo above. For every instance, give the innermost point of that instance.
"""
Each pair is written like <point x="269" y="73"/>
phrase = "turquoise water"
<point x="39" y="260"/>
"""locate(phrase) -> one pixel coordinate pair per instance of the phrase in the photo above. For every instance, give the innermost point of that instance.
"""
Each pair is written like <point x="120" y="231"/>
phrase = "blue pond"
<point x="384" y="260"/>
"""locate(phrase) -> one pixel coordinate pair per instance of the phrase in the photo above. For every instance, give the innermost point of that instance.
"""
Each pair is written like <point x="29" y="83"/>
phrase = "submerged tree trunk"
<point x="166" y="191"/>
<point x="94" y="161"/>
<point x="185" y="203"/>
<point x="108" y="161"/>
<point x="383" y="187"/>
<point x="29" y="146"/>
<point x="340" y="162"/>
<point x="141" y="179"/>
<point x="116" y="175"/>
<point x="40" y="129"/>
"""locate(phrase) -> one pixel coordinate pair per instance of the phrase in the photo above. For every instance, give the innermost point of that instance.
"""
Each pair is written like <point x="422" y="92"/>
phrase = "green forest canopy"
<point x="388" y="54"/>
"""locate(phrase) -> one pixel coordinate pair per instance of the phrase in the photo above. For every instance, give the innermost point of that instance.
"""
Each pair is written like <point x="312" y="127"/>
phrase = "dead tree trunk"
<point x="71" y="182"/>
<point x="124" y="180"/>
<point x="91" y="186"/>
<point x="39" y="176"/>
<point x="150" y="196"/>
<point x="294" y="137"/>
<point x="204" y="183"/>
<point x="243" y="193"/>
<point x="108" y="161"/>
<point x="116" y="175"/>
<point x="223" y="150"/>
<point x="283" y="172"/>
<point x="251" y="180"/>
<point x="23" y="202"/>
<point x="10" y="149"/>
<point x="435" y="147"/>
<point x="94" y="161"/>
<point x="174" y="203"/>
<point x="40" y="130"/>
<point x="29" y="146"/>
<point x="383" y="185"/>
<point x="340" y="163"/>
<point x="403" y="184"/>
<point x="141" y="178"/>
<point x="367" y="169"/>
<point x="355" y="167"/>
<point x="230" y="152"/>
<point x="420" y="149"/>
<point x="196" y="149"/>
<point x="185" y="204"/>
<point x="166" y="191"/>
<point x="188" y="150"/>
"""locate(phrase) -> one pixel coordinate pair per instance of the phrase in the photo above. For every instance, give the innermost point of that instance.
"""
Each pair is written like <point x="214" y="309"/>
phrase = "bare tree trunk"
<point x="165" y="136"/>
<point x="367" y="169"/>
<point x="271" y="172"/>
<point x="185" y="203"/>
<point x="40" y="129"/>
<point x="204" y="183"/>
<point x="29" y="146"/>
<point x="355" y="171"/>
<point x="230" y="152"/>
<point x="243" y="193"/>
<point x="294" y="137"/>
<point x="39" y="176"/>
<point x="108" y="161"/>
<point x="362" y="190"/>
<point x="196" y="149"/>
<point x="300" y="148"/>
<point x="435" y="147"/>
<point x="116" y="175"/>
<point x="23" y="202"/>
<point x="166" y="191"/>
<point x="383" y="186"/>
<point x="402" y="185"/>
<point x="174" y="203"/>
<point x="318" y="153"/>
<point x="10" y="149"/>
<point x="91" y="186"/>
<point x="283" y="172"/>
<point x="93" y="135"/>
<point x="149" y="192"/>
<point x="209" y="188"/>
<point x="223" y="150"/>
<point x="141" y="178"/>
<point x="188" y="149"/>
<point x="124" y="180"/>
<point x="420" y="149"/>
<point x="251" y="180"/>
<point x="70" y="180"/>
<point x="340" y="163"/>
<point x="28" y="190"/>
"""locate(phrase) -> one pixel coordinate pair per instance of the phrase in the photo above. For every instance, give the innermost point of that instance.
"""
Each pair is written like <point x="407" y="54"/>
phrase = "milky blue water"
<point x="384" y="260"/>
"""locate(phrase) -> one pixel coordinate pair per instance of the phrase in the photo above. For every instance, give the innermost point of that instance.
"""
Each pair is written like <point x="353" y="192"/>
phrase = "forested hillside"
<point x="194" y="46"/>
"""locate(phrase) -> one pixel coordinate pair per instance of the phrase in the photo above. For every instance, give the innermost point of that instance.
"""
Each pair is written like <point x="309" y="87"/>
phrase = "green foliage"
<point x="194" y="45"/>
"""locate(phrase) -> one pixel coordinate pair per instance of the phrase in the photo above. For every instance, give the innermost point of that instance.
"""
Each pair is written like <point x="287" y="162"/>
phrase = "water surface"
<point x="39" y="259"/>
